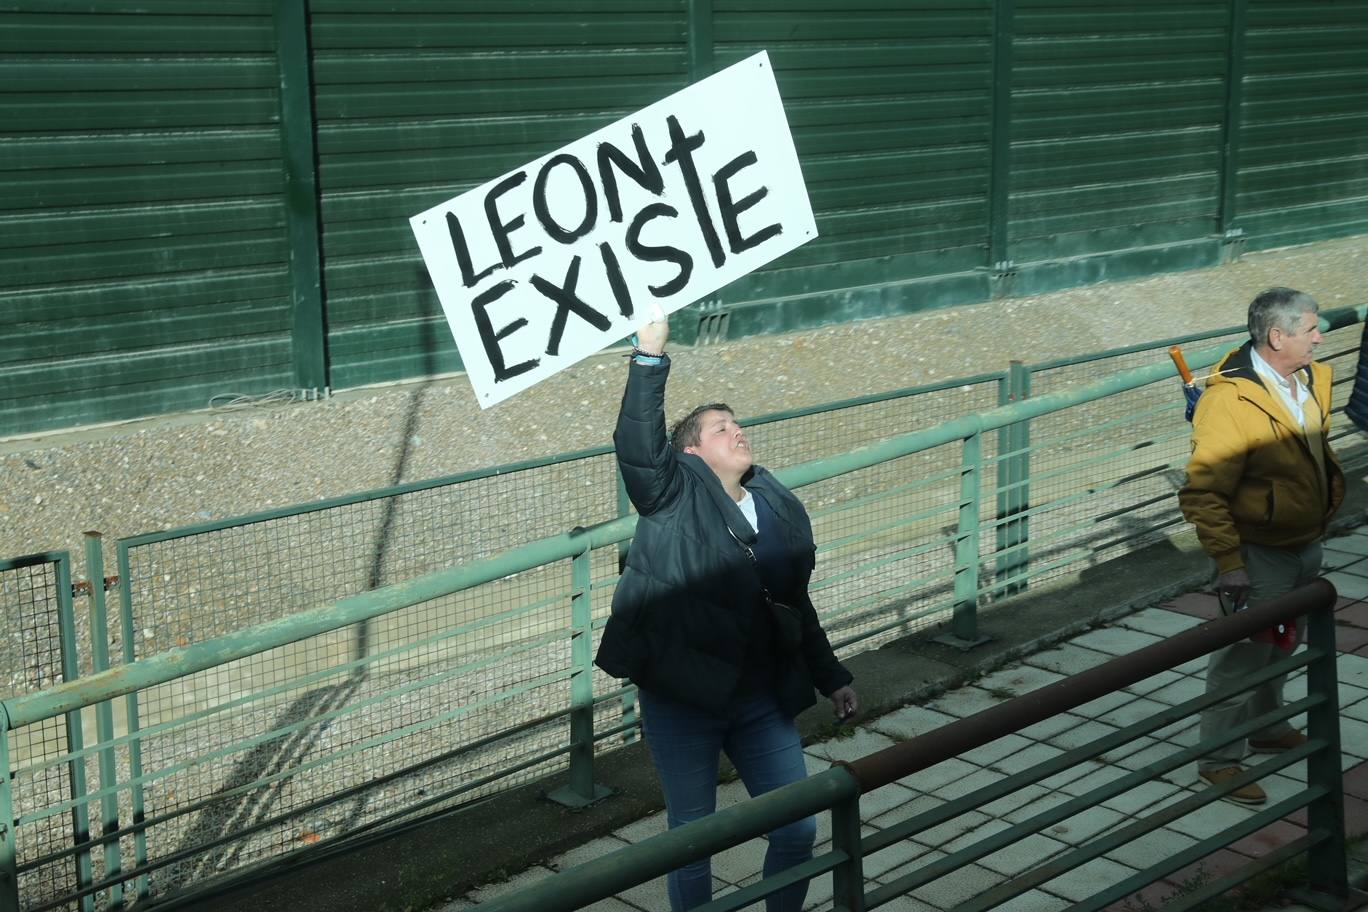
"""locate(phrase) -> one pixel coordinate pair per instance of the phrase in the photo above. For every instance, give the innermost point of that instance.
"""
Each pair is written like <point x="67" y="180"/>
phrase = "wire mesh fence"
<point x="457" y="698"/>
<point x="886" y="555"/>
<point x="40" y="651"/>
<point x="885" y="533"/>
<point x="187" y="585"/>
<point x="789" y="438"/>
<point x="1104" y="476"/>
<point x="443" y="702"/>
<point x="34" y="605"/>
<point x="1104" y="480"/>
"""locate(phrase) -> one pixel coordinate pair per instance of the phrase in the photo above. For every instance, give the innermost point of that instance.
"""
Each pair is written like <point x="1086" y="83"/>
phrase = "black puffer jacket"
<point x="684" y="606"/>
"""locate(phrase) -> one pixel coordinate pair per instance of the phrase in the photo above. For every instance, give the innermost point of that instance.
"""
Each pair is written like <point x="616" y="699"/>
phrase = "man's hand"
<point x="1232" y="587"/>
<point x="844" y="703"/>
<point x="652" y="337"/>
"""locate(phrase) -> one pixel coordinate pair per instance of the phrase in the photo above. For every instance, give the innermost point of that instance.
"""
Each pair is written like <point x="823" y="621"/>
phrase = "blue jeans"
<point x="763" y="744"/>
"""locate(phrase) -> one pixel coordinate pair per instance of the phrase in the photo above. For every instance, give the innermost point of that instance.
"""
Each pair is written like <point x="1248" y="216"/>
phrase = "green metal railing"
<point x="341" y="546"/>
<point x="839" y="790"/>
<point x="401" y="697"/>
<point x="36" y="602"/>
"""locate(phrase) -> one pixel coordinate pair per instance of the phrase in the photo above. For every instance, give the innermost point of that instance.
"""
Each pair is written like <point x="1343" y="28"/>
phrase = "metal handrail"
<point x="136" y="676"/>
<point x="895" y="762"/>
<point x="603" y="877"/>
<point x="184" y="660"/>
<point x="412" y="487"/>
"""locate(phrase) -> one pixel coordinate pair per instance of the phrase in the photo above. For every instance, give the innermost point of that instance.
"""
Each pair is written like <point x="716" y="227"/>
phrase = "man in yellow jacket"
<point x="1262" y="484"/>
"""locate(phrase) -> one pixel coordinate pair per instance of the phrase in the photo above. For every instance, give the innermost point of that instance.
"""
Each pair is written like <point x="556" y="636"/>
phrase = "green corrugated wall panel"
<point x="1304" y="123"/>
<point x="57" y="150"/>
<point x="122" y="332"/>
<point x="152" y="296"/>
<point x="143" y="239"/>
<point x="1116" y="131"/>
<point x="142" y="236"/>
<point x="144" y="370"/>
<point x="136" y="384"/>
<point x="889" y="104"/>
<point x="421" y="101"/>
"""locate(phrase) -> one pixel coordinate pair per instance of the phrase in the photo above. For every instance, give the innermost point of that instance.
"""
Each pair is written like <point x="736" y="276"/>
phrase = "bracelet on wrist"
<point x="650" y="359"/>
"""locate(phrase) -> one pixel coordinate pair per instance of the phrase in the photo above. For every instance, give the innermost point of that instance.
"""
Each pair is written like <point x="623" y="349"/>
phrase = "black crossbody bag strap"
<point x="788" y="621"/>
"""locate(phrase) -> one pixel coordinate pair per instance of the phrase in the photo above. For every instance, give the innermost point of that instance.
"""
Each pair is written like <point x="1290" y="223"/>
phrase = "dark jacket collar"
<point x="1239" y="364"/>
<point x="756" y="476"/>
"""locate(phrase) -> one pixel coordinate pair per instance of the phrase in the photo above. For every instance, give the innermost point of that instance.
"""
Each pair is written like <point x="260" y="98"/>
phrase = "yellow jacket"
<point x="1252" y="477"/>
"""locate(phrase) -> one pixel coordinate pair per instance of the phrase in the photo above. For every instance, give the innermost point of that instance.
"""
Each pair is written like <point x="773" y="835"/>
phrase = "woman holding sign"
<point x="711" y="617"/>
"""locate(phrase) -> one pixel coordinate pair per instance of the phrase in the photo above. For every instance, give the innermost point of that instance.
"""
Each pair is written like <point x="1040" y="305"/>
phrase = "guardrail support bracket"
<point x="569" y="796"/>
<point x="1232" y="245"/>
<point x="961" y="643"/>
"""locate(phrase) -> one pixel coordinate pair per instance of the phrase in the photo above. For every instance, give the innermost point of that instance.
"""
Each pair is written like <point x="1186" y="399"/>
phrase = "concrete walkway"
<point x="1347" y="568"/>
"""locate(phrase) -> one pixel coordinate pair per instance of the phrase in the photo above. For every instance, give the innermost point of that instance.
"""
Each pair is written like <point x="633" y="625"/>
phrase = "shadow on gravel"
<point x="225" y="825"/>
<point x="220" y="835"/>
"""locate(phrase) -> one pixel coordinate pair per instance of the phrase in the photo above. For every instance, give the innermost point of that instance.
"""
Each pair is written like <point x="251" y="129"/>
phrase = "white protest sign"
<point x="556" y="260"/>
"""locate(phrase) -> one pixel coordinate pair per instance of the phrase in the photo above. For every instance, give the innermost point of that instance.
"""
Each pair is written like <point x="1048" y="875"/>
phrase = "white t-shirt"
<point x="747" y="505"/>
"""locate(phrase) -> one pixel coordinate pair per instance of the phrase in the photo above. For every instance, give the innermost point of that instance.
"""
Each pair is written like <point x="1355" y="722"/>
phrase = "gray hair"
<point x="1278" y="308"/>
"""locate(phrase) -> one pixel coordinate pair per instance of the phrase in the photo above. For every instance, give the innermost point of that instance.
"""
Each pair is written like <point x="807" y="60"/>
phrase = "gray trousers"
<point x="1272" y="572"/>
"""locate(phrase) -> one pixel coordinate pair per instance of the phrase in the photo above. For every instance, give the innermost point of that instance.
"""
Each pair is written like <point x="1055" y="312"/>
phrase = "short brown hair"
<point x="686" y="432"/>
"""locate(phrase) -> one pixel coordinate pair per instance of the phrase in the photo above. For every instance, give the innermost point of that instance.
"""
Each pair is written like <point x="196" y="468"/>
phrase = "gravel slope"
<point x="177" y="470"/>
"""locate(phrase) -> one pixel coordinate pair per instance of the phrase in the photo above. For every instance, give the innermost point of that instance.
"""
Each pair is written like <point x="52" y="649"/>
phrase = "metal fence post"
<point x="1327" y="867"/>
<point x="76" y="769"/>
<point x="964" y="633"/>
<point x="1000" y="150"/>
<point x="1232" y="238"/>
<point x="581" y="790"/>
<point x="127" y="634"/>
<point x="9" y="862"/>
<point x="847" y="879"/>
<point x="1013" y="474"/>
<point x="700" y="38"/>
<point x="308" y="334"/>
<point x="104" y="715"/>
